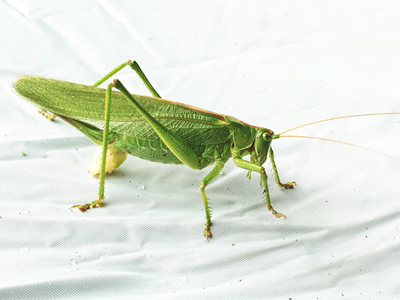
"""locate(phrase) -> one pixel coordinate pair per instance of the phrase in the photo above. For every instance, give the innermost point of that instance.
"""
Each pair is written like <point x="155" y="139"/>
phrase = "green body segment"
<point x="83" y="107"/>
<point x="154" y="129"/>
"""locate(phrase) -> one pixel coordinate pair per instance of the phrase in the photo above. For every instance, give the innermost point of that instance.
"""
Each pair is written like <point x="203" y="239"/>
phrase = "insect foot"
<point x="278" y="215"/>
<point x="84" y="207"/>
<point x="287" y="185"/>
<point x="207" y="231"/>
<point x="207" y="234"/>
<point x="274" y="212"/>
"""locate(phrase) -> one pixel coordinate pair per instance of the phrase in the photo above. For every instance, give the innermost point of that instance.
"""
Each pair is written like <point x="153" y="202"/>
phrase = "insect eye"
<point x="266" y="136"/>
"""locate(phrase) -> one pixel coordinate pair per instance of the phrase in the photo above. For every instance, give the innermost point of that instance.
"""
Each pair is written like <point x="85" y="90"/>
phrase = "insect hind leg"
<point x="99" y="201"/>
<point x="134" y="66"/>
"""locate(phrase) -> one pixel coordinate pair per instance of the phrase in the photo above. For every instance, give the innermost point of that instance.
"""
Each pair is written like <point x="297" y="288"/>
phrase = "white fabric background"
<point x="276" y="64"/>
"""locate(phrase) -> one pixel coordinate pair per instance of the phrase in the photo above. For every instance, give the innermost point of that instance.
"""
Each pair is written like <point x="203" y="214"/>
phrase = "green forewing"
<point x="86" y="104"/>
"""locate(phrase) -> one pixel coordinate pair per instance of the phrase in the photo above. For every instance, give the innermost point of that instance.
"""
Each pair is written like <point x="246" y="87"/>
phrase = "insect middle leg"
<point x="250" y="166"/>
<point x="219" y="165"/>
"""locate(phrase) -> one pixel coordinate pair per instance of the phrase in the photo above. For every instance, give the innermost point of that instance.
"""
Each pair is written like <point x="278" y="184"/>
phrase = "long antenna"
<point x="340" y="142"/>
<point x="337" y="118"/>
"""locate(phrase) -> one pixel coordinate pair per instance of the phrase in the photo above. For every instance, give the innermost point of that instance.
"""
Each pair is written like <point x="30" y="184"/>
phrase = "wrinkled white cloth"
<point x="271" y="64"/>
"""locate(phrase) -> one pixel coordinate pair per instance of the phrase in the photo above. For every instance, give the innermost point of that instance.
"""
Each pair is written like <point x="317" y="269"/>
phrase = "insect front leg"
<point x="134" y="66"/>
<point x="250" y="166"/>
<point x="219" y="165"/>
<point x="287" y="185"/>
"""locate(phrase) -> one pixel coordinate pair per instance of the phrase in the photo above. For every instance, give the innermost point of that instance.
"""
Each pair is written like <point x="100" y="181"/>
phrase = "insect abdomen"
<point x="157" y="151"/>
<point x="152" y="150"/>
